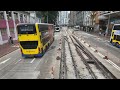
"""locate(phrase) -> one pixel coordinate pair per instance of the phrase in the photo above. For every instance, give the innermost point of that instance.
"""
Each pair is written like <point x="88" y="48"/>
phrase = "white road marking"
<point x="113" y="64"/>
<point x="5" y="61"/>
<point x="18" y="61"/>
<point x="87" y="44"/>
<point x="32" y="60"/>
<point x="109" y="61"/>
<point x="101" y="55"/>
<point x="9" y="54"/>
<point x="92" y="48"/>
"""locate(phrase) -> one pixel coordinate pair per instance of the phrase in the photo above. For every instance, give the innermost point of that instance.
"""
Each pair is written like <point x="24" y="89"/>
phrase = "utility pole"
<point x="107" y="26"/>
<point x="47" y="16"/>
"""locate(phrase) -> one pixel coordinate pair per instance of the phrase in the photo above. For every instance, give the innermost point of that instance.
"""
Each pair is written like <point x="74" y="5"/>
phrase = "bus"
<point x="35" y="39"/>
<point x="115" y="35"/>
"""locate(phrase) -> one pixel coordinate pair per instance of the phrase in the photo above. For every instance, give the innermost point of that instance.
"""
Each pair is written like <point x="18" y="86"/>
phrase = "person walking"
<point x="100" y="31"/>
<point x="10" y="40"/>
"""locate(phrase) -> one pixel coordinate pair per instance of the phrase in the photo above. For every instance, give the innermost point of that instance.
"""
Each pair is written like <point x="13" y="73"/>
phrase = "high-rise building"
<point x="72" y="18"/>
<point x="63" y="18"/>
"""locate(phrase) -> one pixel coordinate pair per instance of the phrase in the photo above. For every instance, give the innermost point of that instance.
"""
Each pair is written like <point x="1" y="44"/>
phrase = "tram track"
<point x="107" y="74"/>
<point x="73" y="61"/>
<point x="63" y="70"/>
<point x="94" y="67"/>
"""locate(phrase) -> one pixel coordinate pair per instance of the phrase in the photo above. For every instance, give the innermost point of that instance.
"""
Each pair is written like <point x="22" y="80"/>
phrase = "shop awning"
<point x="102" y="17"/>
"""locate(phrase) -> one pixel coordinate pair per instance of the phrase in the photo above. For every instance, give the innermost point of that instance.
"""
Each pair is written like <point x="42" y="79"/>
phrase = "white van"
<point x="76" y="28"/>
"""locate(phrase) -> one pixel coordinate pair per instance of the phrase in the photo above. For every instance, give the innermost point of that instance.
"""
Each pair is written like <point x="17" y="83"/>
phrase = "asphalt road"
<point x="13" y="66"/>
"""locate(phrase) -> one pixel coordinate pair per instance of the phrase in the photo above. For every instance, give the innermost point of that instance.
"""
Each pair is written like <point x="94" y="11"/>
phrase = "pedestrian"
<point x="106" y="32"/>
<point x="100" y="32"/>
<point x="10" y="40"/>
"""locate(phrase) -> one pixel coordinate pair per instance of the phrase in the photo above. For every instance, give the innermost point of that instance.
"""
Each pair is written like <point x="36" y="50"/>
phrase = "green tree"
<point x="51" y="15"/>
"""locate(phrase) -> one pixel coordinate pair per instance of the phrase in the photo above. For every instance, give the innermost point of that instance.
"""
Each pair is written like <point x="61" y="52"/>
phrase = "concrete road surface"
<point x="102" y="45"/>
<point x="13" y="66"/>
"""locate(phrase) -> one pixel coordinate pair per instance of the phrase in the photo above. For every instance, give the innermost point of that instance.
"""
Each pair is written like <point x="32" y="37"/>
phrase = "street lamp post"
<point x="107" y="26"/>
<point x="47" y="16"/>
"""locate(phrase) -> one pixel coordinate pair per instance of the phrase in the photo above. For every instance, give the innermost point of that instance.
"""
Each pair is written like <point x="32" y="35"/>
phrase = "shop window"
<point x="15" y="15"/>
<point x="1" y="15"/>
<point x="9" y="15"/>
<point x="3" y="31"/>
<point x="21" y="18"/>
<point x="11" y="30"/>
<point x="4" y="34"/>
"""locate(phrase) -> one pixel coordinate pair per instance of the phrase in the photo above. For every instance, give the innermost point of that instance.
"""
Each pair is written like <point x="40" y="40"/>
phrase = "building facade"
<point x="63" y="18"/>
<point x="107" y="19"/>
<point x="84" y="19"/>
<point x="79" y="18"/>
<point x="9" y="20"/>
<point x="72" y="18"/>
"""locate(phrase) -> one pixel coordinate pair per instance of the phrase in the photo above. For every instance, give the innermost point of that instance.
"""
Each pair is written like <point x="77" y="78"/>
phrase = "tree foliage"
<point x="52" y="16"/>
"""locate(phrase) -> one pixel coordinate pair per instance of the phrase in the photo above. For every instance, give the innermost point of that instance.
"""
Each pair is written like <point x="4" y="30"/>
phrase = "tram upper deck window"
<point x="116" y="27"/>
<point x="26" y="29"/>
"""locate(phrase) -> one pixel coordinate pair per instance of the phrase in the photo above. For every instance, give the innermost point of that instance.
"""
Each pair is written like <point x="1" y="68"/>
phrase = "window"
<point x="15" y="15"/>
<point x="9" y="15"/>
<point x="45" y="34"/>
<point x="3" y="31"/>
<point x="26" y="29"/>
<point x="11" y="30"/>
<point x="116" y="27"/>
<point x="29" y="44"/>
<point x="4" y="34"/>
<point x="21" y="18"/>
<point x="112" y="34"/>
<point x="1" y="15"/>
<point x="43" y="27"/>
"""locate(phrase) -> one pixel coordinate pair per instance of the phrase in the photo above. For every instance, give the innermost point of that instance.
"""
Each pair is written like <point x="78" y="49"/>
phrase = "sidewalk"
<point x="100" y="36"/>
<point x="7" y="48"/>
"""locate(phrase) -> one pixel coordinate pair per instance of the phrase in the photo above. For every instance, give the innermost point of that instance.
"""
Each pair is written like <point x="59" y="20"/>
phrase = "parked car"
<point x="76" y="28"/>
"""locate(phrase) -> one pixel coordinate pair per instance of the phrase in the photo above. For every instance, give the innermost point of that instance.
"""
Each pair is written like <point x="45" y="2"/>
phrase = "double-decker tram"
<point x="34" y="39"/>
<point x="115" y="35"/>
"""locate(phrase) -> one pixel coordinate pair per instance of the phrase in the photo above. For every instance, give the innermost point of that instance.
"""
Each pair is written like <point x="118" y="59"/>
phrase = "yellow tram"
<point x="34" y="39"/>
